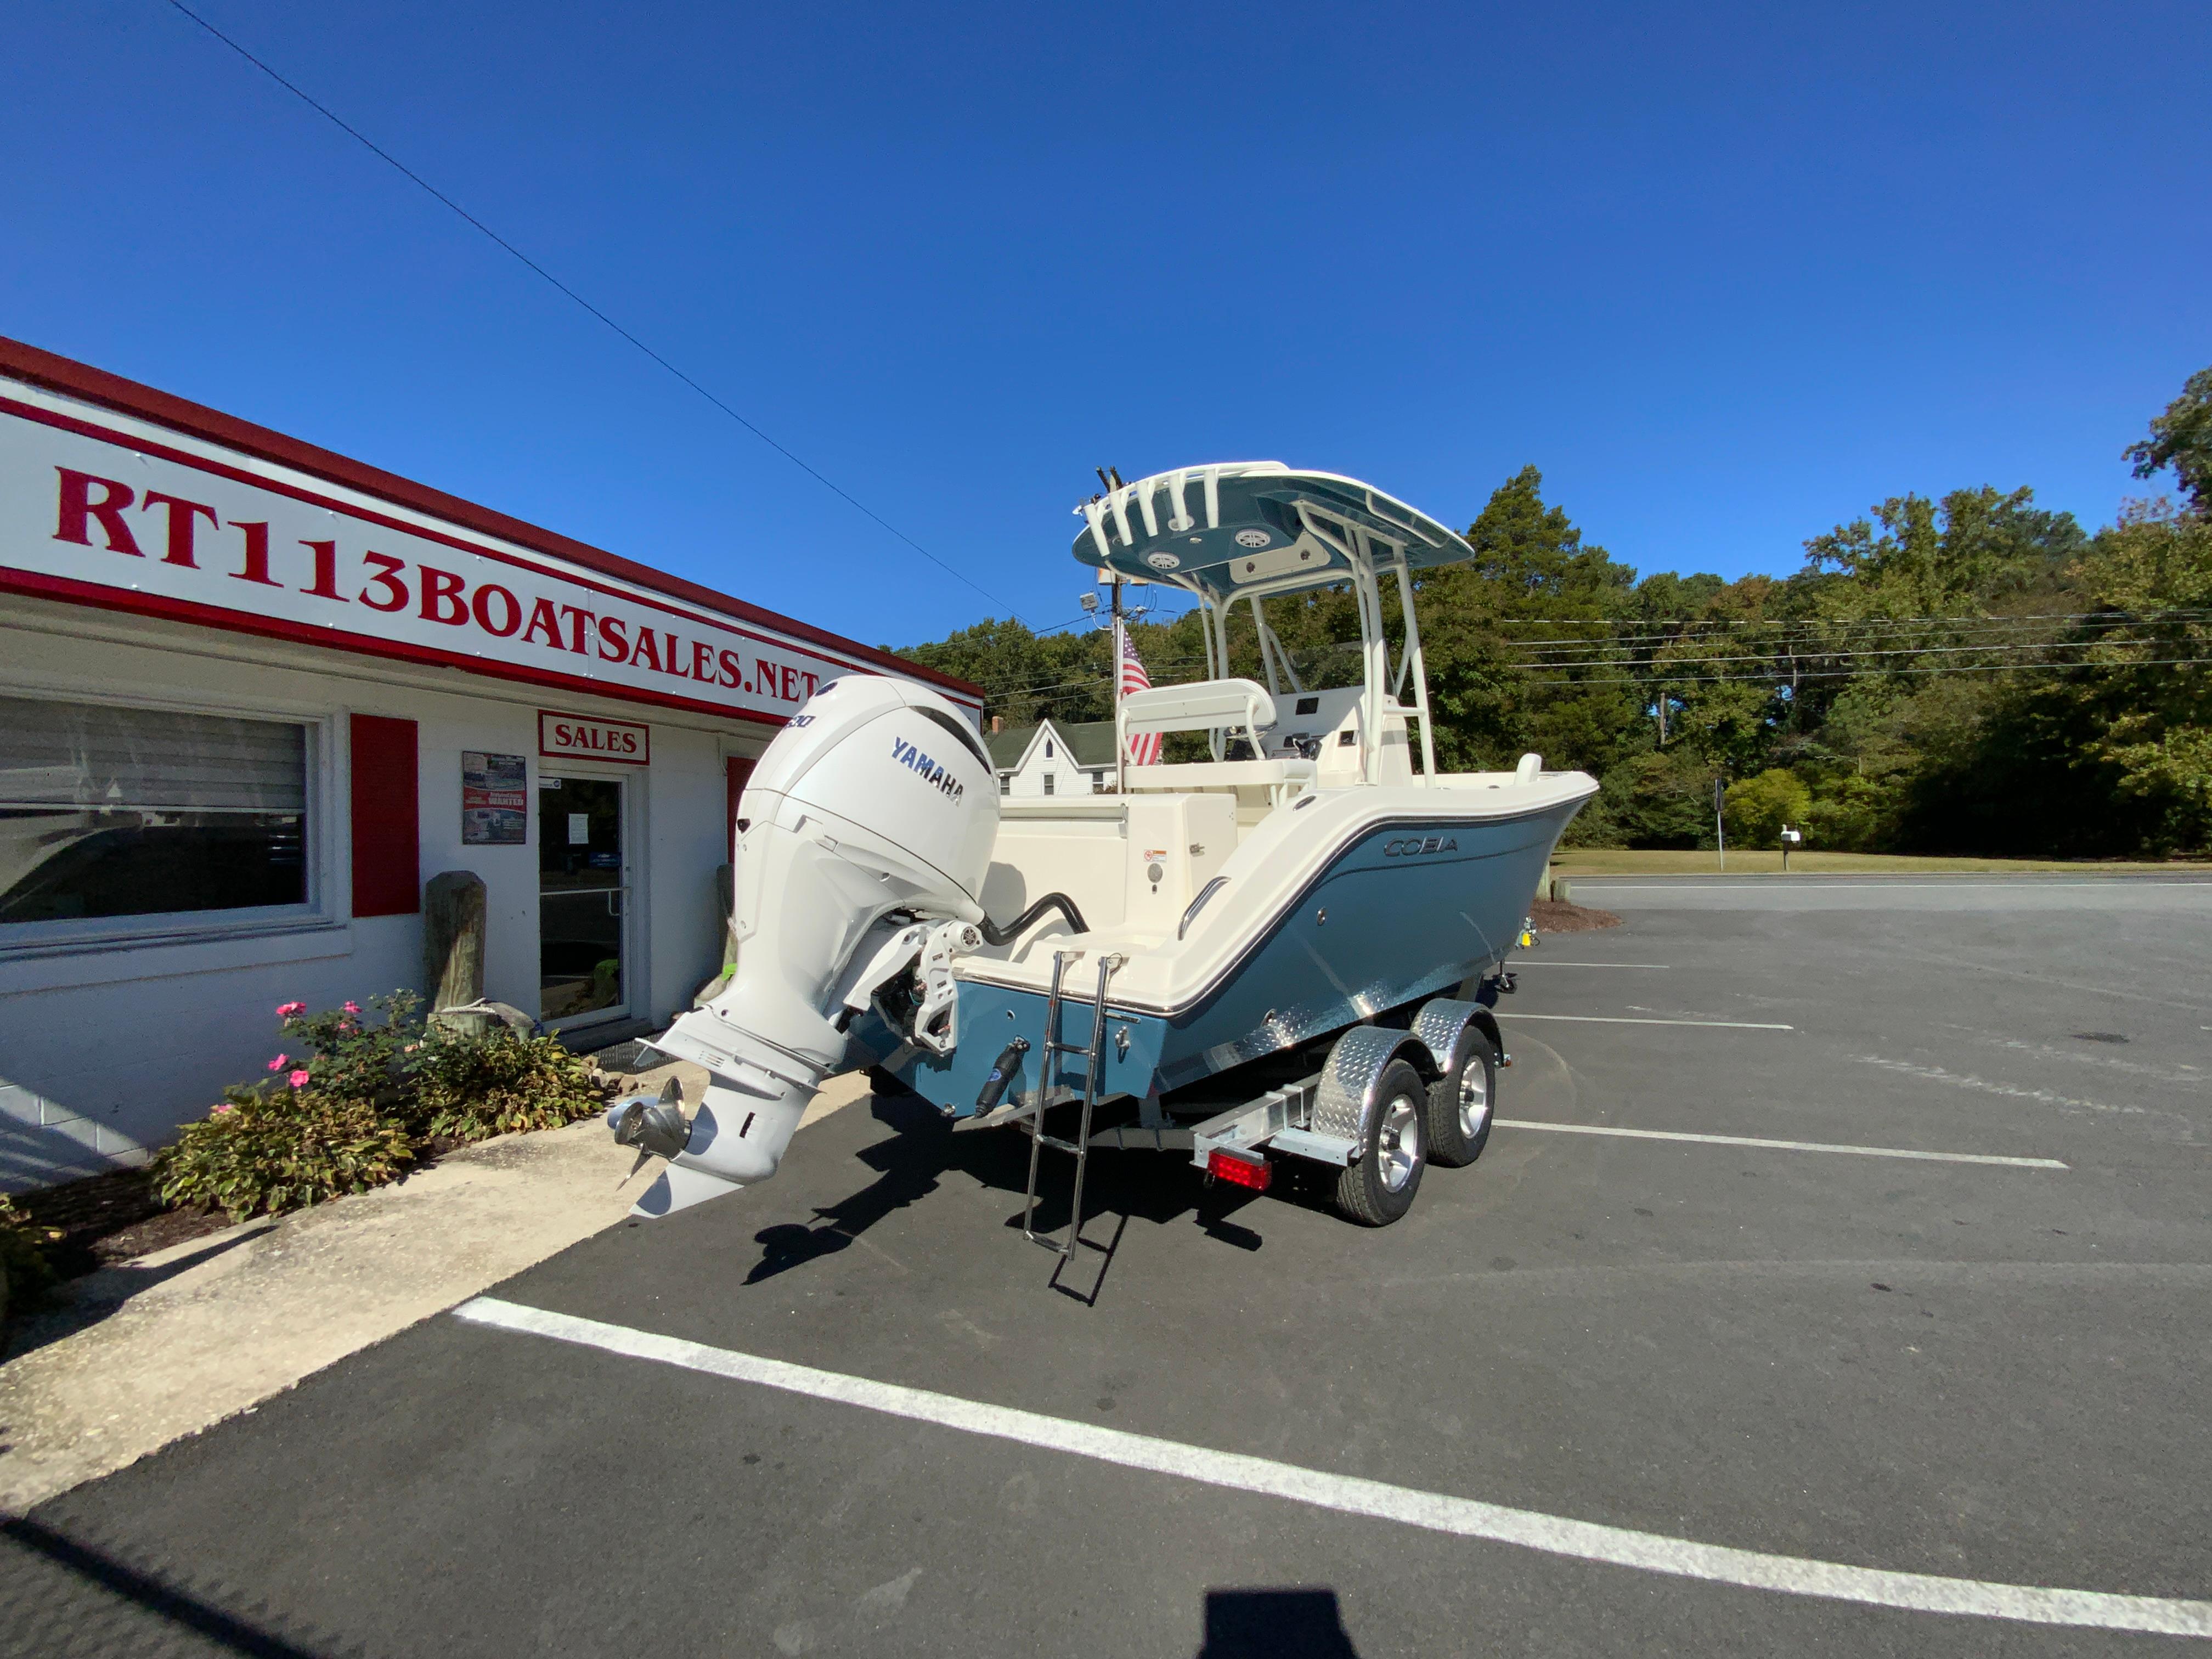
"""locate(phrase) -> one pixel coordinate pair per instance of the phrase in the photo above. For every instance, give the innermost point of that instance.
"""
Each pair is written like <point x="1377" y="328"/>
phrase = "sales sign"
<point x="570" y="736"/>
<point x="105" y="509"/>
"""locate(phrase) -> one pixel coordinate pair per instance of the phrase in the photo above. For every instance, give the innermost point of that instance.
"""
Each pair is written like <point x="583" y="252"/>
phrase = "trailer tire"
<point x="1378" y="1187"/>
<point x="1462" y="1102"/>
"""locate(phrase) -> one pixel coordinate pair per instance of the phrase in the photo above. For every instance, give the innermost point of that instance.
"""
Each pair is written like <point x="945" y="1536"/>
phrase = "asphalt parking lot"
<point x="1987" y="1366"/>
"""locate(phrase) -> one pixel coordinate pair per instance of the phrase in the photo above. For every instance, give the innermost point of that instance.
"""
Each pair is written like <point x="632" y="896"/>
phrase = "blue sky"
<point x="1727" y="275"/>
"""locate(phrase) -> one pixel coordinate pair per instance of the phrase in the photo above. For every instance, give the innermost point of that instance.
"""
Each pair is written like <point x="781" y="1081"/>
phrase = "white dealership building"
<point x="253" y="695"/>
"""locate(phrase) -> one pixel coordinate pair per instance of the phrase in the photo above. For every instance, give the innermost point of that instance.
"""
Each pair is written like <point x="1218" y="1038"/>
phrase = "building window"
<point x="1005" y="783"/>
<point x="1047" y="748"/>
<point x="109" y="812"/>
<point x="1049" y="780"/>
<point x="1098" y="783"/>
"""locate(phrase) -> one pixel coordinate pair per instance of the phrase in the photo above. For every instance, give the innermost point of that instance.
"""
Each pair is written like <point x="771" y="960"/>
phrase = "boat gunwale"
<point x="963" y="969"/>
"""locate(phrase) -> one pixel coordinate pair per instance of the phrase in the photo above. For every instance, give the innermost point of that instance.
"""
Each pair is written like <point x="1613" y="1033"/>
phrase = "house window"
<point x="1005" y="783"/>
<point x="1049" y="781"/>
<point x="109" y="812"/>
<point x="1047" y="748"/>
<point x="1098" y="783"/>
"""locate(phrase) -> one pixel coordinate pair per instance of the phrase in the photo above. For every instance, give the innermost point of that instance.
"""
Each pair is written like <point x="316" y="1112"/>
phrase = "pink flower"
<point x="299" y="1079"/>
<point x="286" y="1010"/>
<point x="225" y="1107"/>
<point x="351" y="1007"/>
<point x="277" y="1064"/>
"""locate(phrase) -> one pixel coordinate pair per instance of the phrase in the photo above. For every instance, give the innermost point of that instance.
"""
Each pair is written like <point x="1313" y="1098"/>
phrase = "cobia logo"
<point x="1410" y="845"/>
<point x="929" y="771"/>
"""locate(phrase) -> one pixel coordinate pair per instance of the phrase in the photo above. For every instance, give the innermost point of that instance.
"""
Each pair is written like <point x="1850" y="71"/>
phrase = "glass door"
<point x="583" y="900"/>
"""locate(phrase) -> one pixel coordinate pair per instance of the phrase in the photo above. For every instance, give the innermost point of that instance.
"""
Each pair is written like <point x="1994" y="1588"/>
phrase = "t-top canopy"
<point x="1237" y="524"/>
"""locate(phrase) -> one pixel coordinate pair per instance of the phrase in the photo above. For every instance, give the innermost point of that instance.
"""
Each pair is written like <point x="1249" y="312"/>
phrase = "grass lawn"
<point x="1571" y="861"/>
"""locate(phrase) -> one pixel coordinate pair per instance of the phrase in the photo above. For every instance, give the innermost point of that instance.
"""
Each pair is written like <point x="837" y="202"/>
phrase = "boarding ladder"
<point x="1053" y="1057"/>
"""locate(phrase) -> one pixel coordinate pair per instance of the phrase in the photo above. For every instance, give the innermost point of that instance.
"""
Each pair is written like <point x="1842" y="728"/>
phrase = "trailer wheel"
<point x="1379" y="1187"/>
<point x="1461" y="1101"/>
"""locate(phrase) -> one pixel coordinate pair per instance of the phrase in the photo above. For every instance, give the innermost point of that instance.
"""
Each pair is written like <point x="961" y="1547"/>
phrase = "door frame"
<point x="636" y="989"/>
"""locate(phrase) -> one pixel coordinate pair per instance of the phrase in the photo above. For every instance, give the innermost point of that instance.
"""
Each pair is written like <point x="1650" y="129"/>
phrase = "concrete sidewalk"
<point x="185" y="1337"/>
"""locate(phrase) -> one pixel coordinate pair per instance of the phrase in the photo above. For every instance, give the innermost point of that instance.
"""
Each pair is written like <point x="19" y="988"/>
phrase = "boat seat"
<point x="1222" y="774"/>
<point x="1204" y="705"/>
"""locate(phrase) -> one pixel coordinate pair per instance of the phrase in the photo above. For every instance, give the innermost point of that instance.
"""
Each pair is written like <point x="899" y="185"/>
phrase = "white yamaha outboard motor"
<point x="863" y="839"/>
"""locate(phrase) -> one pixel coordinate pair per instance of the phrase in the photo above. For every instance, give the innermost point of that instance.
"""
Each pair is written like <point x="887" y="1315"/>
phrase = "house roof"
<point x="1090" y="743"/>
<point x="1007" y="746"/>
<point x="1087" y="742"/>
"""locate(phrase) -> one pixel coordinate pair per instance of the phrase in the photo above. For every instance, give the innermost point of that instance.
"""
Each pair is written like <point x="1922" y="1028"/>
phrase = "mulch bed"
<point x="1551" y="917"/>
<point x="107" y="1218"/>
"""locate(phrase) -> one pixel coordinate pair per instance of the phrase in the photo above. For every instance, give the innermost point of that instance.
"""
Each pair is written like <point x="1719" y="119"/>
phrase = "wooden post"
<point x="454" y="923"/>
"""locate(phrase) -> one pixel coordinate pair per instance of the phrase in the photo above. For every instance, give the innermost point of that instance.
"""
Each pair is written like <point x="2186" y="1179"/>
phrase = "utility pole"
<point x="1720" y="827"/>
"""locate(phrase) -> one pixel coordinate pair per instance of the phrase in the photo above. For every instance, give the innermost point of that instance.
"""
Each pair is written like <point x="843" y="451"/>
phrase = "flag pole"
<point x="1121" y="646"/>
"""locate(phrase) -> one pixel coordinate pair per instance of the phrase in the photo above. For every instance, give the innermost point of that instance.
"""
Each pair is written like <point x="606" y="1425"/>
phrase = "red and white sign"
<point x="119" y="513"/>
<point x="566" y="737"/>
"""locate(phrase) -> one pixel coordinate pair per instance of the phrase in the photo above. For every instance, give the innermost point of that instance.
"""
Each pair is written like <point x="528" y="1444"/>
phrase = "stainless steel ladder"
<point x="1053" y="1054"/>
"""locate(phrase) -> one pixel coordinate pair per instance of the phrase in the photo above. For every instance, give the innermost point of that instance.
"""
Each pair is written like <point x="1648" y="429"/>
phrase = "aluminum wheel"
<point x="1399" y="1145"/>
<point x="1473" y="1101"/>
<point x="1395" y="1133"/>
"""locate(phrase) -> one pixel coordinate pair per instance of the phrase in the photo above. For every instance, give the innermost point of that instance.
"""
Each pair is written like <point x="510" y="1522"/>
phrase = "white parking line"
<point x="1552" y="962"/>
<point x="1781" y="1146"/>
<point x="1621" y="1019"/>
<point x="1463" y="1517"/>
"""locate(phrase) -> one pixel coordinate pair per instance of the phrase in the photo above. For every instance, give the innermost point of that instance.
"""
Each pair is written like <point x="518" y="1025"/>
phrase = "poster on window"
<point x="494" y="799"/>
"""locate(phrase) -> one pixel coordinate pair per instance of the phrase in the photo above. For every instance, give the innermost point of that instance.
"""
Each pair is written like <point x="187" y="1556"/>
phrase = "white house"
<point x="1051" y="759"/>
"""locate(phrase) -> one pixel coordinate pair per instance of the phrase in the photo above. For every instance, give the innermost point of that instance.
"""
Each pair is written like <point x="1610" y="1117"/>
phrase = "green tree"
<point x="2181" y="438"/>
<point x="1755" y="808"/>
<point x="1961" y="672"/>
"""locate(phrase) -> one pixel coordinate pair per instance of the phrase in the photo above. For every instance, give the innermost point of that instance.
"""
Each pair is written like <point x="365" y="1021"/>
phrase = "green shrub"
<point x="474" y="1087"/>
<point x="275" y="1147"/>
<point x="27" y="1277"/>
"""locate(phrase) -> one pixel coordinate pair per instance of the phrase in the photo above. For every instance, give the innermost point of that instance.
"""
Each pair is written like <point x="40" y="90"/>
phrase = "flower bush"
<point x="350" y="1100"/>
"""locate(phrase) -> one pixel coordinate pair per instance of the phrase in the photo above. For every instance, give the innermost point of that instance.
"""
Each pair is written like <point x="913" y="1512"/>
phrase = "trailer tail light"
<point x="1240" y="1171"/>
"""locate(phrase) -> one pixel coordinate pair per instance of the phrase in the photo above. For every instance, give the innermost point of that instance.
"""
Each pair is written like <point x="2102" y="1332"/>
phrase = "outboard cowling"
<point x="863" y="838"/>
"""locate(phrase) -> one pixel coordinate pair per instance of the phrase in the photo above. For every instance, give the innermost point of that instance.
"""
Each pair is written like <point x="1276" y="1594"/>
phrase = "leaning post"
<point x="455" y="921"/>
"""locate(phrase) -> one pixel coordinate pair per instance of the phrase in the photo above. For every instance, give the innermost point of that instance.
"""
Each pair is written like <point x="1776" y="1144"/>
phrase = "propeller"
<point x="656" y="1126"/>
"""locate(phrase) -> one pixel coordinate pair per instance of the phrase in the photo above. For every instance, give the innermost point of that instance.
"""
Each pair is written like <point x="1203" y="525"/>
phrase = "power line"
<point x="1656" y="670"/>
<point x="1801" y="630"/>
<point x="385" y="155"/>
<point x="1655" y="681"/>
<point x="1858" y="673"/>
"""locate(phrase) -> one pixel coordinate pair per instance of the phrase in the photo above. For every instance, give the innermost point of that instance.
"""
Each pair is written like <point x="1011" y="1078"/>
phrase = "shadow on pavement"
<point x="1275" y="1624"/>
<point x="63" y="1597"/>
<point x="1159" y="1187"/>
<point x="87" y="1300"/>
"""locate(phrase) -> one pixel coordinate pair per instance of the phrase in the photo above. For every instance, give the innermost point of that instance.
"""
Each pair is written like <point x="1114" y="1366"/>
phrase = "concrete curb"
<point x="175" y="1342"/>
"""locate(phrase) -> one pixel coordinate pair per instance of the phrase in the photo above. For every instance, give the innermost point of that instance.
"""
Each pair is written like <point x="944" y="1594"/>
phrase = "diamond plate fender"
<point x="1444" y="1020"/>
<point x="1346" y="1100"/>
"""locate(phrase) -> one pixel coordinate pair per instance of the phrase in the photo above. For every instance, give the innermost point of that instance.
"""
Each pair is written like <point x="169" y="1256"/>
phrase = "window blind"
<point x="94" y="756"/>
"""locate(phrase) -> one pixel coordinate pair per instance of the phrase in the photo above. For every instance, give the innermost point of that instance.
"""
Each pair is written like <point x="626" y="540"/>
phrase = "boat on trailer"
<point x="1288" y="949"/>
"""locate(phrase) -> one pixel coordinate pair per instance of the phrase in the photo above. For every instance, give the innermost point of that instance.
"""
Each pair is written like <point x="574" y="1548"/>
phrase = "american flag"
<point x="1144" y="749"/>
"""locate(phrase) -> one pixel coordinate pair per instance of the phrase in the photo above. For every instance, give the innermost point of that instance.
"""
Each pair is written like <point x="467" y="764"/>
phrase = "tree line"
<point x="1967" y="674"/>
